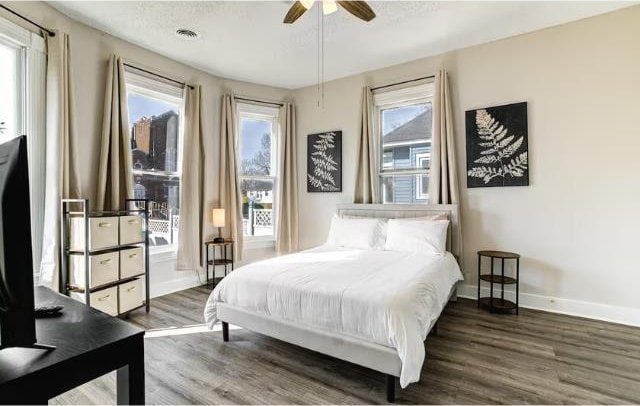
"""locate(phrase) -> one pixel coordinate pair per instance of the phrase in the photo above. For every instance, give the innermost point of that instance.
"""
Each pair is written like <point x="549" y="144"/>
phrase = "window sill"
<point x="163" y="254"/>
<point x="251" y="243"/>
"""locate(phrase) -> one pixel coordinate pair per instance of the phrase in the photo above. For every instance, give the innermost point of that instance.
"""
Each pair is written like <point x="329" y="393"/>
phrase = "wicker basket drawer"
<point x="131" y="262"/>
<point x="131" y="294"/>
<point x="103" y="233"/>
<point x="131" y="230"/>
<point x="103" y="269"/>
<point x="105" y="300"/>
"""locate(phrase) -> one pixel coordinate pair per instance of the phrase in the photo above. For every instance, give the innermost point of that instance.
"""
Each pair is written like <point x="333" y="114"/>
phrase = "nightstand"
<point x="492" y="303"/>
<point x="222" y="255"/>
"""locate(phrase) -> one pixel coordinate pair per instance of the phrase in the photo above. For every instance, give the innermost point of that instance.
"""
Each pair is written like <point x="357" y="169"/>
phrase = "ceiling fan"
<point x="359" y="9"/>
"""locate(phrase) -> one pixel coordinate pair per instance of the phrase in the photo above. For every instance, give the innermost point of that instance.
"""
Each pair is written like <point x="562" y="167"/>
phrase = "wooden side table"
<point x="222" y="255"/>
<point x="492" y="303"/>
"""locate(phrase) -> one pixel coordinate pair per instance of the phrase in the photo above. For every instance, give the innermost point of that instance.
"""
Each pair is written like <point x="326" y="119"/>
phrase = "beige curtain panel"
<point x="443" y="179"/>
<point x="367" y="175"/>
<point x="443" y="182"/>
<point x="191" y="185"/>
<point x="115" y="180"/>
<point x="287" y="188"/>
<point x="230" y="198"/>
<point x="61" y="154"/>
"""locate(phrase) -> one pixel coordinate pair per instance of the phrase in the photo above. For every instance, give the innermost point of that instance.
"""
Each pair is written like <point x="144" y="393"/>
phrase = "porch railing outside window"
<point x="259" y="222"/>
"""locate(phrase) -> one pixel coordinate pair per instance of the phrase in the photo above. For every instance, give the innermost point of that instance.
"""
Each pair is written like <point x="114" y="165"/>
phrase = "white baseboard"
<point x="190" y="280"/>
<point x="615" y="314"/>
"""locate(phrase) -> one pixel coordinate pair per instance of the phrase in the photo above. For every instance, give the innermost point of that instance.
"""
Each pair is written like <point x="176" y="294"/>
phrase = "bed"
<point x="373" y="308"/>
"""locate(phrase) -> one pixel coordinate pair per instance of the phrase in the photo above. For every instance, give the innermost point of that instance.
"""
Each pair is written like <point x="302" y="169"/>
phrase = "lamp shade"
<point x="218" y="217"/>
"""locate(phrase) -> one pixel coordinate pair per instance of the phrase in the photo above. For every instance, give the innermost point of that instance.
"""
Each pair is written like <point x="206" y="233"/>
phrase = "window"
<point x="257" y="169"/>
<point x="404" y="127"/>
<point x="23" y="64"/>
<point x="11" y="84"/>
<point x="155" y="118"/>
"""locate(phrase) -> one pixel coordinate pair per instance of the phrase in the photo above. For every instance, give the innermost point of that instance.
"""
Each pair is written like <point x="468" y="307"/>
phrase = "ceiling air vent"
<point x="185" y="33"/>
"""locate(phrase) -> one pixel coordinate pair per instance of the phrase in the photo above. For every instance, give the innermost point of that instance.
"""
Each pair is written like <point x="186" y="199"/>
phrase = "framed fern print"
<point x="324" y="162"/>
<point x="497" y="146"/>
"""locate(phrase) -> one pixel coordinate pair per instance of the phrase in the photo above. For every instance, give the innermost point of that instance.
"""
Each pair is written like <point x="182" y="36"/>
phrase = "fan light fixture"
<point x="328" y="6"/>
<point x="358" y="8"/>
<point x="307" y="3"/>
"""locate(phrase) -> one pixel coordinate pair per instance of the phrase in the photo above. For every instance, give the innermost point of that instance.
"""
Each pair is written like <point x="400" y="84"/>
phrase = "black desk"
<point x="88" y="344"/>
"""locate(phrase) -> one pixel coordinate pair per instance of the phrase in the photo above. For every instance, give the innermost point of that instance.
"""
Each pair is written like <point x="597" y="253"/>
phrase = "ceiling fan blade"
<point x="359" y="9"/>
<point x="294" y="13"/>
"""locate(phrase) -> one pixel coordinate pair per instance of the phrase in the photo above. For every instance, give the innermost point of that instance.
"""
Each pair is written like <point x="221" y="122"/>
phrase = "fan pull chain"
<point x="323" y="60"/>
<point x="320" y="86"/>
<point x="319" y="59"/>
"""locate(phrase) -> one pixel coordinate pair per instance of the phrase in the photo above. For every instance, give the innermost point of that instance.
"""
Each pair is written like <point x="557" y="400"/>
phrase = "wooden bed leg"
<point x="454" y="295"/>
<point x="225" y="331"/>
<point x="391" y="388"/>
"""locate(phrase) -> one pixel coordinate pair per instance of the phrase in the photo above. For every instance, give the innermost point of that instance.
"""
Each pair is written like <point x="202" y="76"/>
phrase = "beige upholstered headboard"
<point x="454" y="243"/>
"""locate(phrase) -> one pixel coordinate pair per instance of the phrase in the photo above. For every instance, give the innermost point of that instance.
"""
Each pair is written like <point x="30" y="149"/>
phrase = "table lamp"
<point x="218" y="221"/>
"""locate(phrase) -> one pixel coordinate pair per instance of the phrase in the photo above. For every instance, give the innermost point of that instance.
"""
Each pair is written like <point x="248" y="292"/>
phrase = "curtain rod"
<point x="48" y="31"/>
<point x="403" y="82"/>
<point x="259" y="101"/>
<point x="158" y="75"/>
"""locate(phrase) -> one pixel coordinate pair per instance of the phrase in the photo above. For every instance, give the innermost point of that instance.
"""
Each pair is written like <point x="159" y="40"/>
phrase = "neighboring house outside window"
<point x="155" y="119"/>
<point x="257" y="158"/>
<point x="423" y="160"/>
<point x="404" y="119"/>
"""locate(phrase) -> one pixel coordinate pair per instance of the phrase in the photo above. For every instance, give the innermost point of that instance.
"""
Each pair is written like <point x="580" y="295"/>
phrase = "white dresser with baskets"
<point x="105" y="256"/>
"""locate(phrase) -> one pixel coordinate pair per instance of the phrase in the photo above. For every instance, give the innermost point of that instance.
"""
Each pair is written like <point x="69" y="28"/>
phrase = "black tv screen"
<point x="17" y="322"/>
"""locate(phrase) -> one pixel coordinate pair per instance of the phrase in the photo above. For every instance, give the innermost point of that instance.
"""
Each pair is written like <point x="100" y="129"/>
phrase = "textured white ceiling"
<point x="246" y="40"/>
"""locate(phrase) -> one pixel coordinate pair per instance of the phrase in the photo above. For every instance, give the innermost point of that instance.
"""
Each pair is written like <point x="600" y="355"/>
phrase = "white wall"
<point x="90" y="50"/>
<point x="577" y="223"/>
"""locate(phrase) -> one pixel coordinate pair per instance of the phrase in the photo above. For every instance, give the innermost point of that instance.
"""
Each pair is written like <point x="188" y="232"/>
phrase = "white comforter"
<point x="386" y="297"/>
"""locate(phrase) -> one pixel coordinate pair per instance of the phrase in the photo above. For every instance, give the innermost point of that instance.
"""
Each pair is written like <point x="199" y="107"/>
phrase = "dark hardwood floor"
<point x="477" y="358"/>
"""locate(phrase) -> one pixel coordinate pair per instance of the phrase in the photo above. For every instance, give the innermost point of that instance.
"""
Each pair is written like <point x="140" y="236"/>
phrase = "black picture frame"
<point x="497" y="146"/>
<point x="324" y="162"/>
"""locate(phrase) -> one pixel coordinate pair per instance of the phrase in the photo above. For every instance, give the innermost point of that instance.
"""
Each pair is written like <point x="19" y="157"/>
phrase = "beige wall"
<point x="577" y="223"/>
<point x="90" y="50"/>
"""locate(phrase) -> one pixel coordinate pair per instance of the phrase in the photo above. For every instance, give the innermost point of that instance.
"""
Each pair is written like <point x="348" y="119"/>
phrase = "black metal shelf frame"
<point x="131" y="207"/>
<point x="98" y="288"/>
<point x="107" y="250"/>
<point x="494" y="303"/>
<point x="222" y="260"/>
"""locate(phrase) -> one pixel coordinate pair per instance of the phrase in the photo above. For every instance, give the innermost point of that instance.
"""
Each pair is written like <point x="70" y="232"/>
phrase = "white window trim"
<point x="157" y="89"/>
<point x="153" y="85"/>
<point x="262" y="112"/>
<point x="32" y="119"/>
<point x="400" y="96"/>
<point x="406" y="95"/>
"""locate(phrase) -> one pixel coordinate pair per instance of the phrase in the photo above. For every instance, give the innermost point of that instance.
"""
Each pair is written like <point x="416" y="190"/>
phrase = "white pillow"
<point x="428" y="237"/>
<point x="363" y="233"/>
<point x="380" y="232"/>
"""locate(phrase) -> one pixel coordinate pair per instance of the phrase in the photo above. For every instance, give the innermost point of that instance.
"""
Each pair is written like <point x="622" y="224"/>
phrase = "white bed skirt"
<point x="367" y="354"/>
